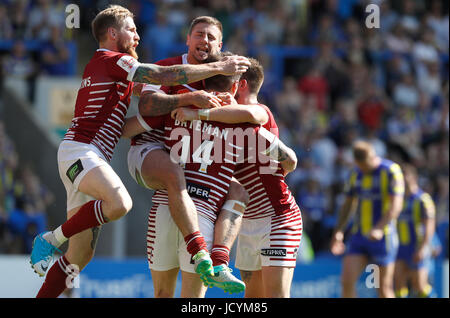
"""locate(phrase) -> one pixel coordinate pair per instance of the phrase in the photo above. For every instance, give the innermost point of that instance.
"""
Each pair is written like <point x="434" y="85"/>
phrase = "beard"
<point x="129" y="49"/>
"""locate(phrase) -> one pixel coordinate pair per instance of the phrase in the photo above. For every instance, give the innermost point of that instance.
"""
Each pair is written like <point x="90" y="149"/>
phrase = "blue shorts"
<point x="406" y="253"/>
<point x="381" y="252"/>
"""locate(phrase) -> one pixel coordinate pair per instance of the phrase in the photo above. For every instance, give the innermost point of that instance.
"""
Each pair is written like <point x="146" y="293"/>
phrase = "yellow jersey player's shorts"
<point x="382" y="252"/>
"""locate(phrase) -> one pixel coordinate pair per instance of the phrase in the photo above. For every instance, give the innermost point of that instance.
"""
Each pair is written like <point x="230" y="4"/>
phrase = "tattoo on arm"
<point x="282" y="152"/>
<point x="155" y="74"/>
<point x="153" y="104"/>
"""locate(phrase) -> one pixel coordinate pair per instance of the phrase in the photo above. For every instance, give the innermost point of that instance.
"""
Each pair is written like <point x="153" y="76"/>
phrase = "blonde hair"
<point x="112" y="16"/>
<point x="362" y="151"/>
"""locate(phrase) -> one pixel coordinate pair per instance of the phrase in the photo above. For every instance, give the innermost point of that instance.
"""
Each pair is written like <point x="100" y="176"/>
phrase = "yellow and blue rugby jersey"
<point x="373" y="191"/>
<point x="416" y="208"/>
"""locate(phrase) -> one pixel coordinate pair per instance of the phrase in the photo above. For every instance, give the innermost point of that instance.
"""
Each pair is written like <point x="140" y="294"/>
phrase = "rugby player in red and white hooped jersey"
<point x="95" y="194"/>
<point x="271" y="231"/>
<point x="149" y="163"/>
<point x="208" y="169"/>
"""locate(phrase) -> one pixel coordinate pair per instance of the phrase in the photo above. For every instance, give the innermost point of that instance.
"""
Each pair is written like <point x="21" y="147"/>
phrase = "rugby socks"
<point x="426" y="292"/>
<point x="195" y="242"/>
<point x="220" y="255"/>
<point x="402" y="292"/>
<point x="59" y="277"/>
<point x="90" y="215"/>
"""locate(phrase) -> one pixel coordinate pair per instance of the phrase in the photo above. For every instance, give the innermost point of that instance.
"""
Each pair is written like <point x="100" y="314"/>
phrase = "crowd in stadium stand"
<point x="387" y="84"/>
<point x="23" y="200"/>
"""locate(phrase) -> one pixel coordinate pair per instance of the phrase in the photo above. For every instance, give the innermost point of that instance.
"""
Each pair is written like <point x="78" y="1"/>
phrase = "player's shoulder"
<point x="106" y="54"/>
<point x="424" y="196"/>
<point x="265" y="107"/>
<point x="170" y="61"/>
<point x="354" y="173"/>
<point x="271" y="123"/>
<point x="390" y="165"/>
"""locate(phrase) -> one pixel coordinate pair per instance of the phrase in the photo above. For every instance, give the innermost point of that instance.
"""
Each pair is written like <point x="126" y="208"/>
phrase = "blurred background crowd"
<point x="329" y="80"/>
<point x="23" y="200"/>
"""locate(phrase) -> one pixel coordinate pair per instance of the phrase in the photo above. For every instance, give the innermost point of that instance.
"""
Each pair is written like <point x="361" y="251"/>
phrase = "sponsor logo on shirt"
<point x="198" y="191"/>
<point x="126" y="63"/>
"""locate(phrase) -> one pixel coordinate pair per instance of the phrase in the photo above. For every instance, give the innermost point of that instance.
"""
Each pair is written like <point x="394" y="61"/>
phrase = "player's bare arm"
<point x="337" y="246"/>
<point x="132" y="127"/>
<point x="347" y="209"/>
<point x="429" y="225"/>
<point x="233" y="114"/>
<point x="156" y="104"/>
<point x="287" y="158"/>
<point x="188" y="73"/>
<point x="279" y="151"/>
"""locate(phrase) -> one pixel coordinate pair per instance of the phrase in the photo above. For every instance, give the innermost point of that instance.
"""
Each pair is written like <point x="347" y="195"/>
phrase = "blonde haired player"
<point x="375" y="191"/>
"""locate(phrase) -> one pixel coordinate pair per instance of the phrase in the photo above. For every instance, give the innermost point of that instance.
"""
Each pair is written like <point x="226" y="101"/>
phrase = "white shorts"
<point x="166" y="248"/>
<point x="75" y="159"/>
<point x="269" y="241"/>
<point x="136" y="156"/>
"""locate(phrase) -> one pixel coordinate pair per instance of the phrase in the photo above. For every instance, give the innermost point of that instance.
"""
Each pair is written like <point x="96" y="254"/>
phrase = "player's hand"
<point x="233" y="65"/>
<point x="419" y="255"/>
<point x="226" y="99"/>
<point x="202" y="99"/>
<point x="183" y="114"/>
<point x="376" y="234"/>
<point x="337" y="246"/>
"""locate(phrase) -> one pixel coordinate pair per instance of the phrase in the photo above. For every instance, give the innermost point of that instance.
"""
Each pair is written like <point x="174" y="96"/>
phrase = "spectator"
<point x="42" y="19"/>
<point x="315" y="83"/>
<point x="409" y="19"/>
<point x="403" y="129"/>
<point x="372" y="107"/>
<point x="55" y="54"/>
<point x="20" y="69"/>
<point x="398" y="41"/>
<point x="436" y="20"/>
<point x="344" y="121"/>
<point x="19" y="19"/>
<point x="395" y="69"/>
<point x="388" y="17"/>
<point x="288" y="101"/>
<point x="314" y="204"/>
<point x="159" y="37"/>
<point x="405" y="92"/>
<point x="430" y="81"/>
<point x="6" y="30"/>
<point x="324" y="153"/>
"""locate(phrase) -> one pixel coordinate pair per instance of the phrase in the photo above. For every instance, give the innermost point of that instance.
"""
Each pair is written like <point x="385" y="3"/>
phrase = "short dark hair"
<point x="205" y="19"/>
<point x="112" y="16"/>
<point x="220" y="83"/>
<point x="254" y="75"/>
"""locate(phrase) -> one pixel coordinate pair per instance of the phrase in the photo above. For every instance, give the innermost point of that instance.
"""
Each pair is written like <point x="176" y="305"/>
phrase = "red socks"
<point x="57" y="280"/>
<point x="195" y="242"/>
<point x="88" y="216"/>
<point x="220" y="255"/>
